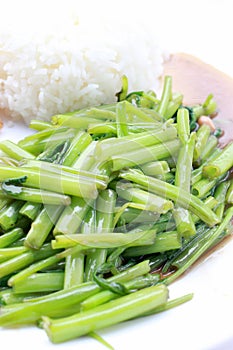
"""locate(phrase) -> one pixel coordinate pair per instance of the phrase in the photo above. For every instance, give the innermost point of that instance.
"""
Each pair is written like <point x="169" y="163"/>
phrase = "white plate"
<point x="202" y="28"/>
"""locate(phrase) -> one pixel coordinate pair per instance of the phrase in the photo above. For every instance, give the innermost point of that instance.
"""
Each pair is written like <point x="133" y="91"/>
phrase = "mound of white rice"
<point x="73" y="64"/>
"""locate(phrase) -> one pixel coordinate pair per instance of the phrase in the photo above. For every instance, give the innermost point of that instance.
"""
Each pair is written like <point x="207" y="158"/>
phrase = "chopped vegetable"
<point x="102" y="208"/>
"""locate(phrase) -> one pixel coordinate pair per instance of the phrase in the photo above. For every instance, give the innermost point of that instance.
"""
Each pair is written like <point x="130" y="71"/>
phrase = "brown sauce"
<point x="196" y="79"/>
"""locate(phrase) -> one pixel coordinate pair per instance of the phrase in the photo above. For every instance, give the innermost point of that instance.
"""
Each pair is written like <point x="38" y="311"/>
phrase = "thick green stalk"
<point x="15" y="151"/>
<point x="136" y="114"/>
<point x="74" y="270"/>
<point x="41" y="135"/>
<point x="34" y="195"/>
<point x="40" y="125"/>
<point x="9" y="215"/>
<point x="183" y="125"/>
<point x="105" y="206"/>
<point x="210" y="147"/>
<point x="137" y="216"/>
<point x="88" y="227"/>
<point x="87" y="158"/>
<point x="31" y="210"/>
<point x="10" y="237"/>
<point x="184" y="222"/>
<point x="102" y="112"/>
<point x="121" y="119"/>
<point x="58" y="169"/>
<point x="151" y="201"/>
<point x="57" y="137"/>
<point x="173" y="105"/>
<point x="79" y="123"/>
<point x="66" y="184"/>
<point x="4" y="160"/>
<point x="33" y="268"/>
<point x="134" y="142"/>
<point x="72" y="216"/>
<point x="102" y="128"/>
<point x="42" y="226"/>
<point x="164" y="241"/>
<point x="77" y="146"/>
<point x="203" y="134"/>
<point x="153" y="114"/>
<point x="4" y="201"/>
<point x="184" y="163"/>
<point x="220" y="164"/>
<point x="179" y="196"/>
<point x="82" y="118"/>
<point x="107" y="295"/>
<point x="104" y="240"/>
<point x="229" y="195"/>
<point x="40" y="282"/>
<point x="55" y="153"/>
<point x="166" y="96"/>
<point x="145" y="155"/>
<point x="64" y="302"/>
<point x="111" y="128"/>
<point x="203" y="187"/>
<point x="25" y="259"/>
<point x="183" y="218"/>
<point x="197" y="173"/>
<point x="118" y="310"/>
<point x="220" y="196"/>
<point x="8" y="253"/>
<point x="170" y="304"/>
<point x="156" y="168"/>
<point x="7" y="297"/>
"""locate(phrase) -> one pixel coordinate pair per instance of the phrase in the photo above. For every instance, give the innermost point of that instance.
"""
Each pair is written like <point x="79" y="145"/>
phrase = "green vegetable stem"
<point x="102" y="208"/>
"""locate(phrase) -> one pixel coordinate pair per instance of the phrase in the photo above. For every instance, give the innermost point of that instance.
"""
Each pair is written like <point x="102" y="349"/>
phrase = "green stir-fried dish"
<point x="101" y="209"/>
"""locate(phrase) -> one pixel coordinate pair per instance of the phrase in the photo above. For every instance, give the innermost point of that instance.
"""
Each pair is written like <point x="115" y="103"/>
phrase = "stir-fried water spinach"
<point x="102" y="208"/>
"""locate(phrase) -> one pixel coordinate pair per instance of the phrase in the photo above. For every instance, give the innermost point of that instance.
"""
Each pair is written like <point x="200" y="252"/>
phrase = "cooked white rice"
<point x="73" y="65"/>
